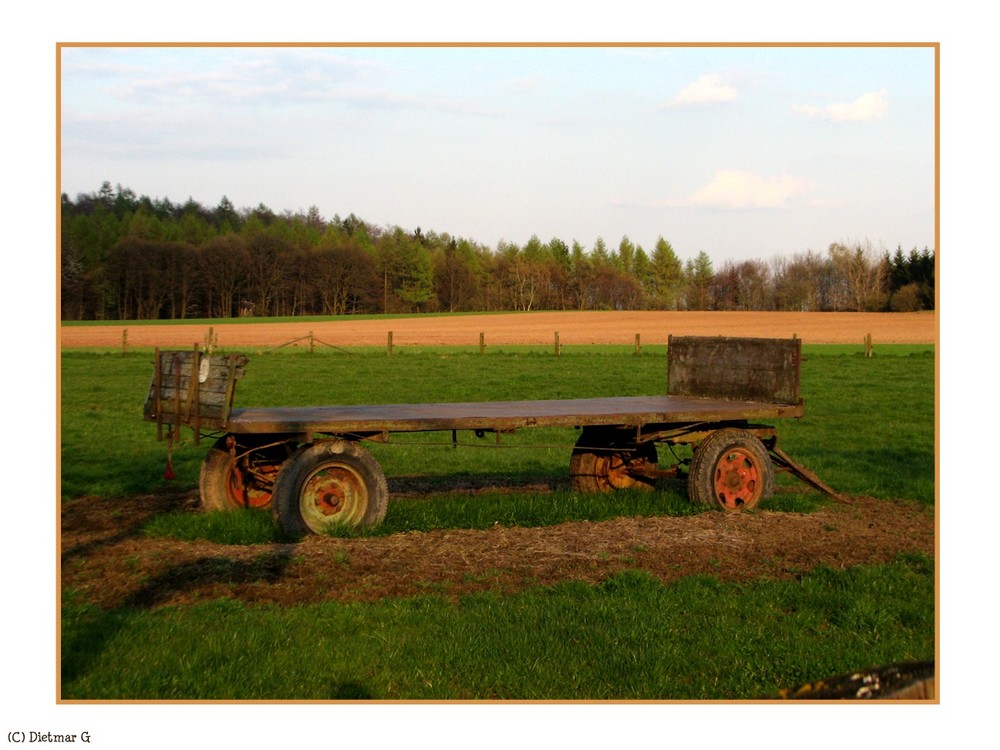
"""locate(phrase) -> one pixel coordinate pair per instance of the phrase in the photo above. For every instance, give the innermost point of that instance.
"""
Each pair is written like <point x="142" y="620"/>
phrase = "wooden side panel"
<point x="193" y="388"/>
<point x="735" y="369"/>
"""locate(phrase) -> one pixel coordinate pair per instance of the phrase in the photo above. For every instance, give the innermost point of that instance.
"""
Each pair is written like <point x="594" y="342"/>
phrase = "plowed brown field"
<point x="530" y="328"/>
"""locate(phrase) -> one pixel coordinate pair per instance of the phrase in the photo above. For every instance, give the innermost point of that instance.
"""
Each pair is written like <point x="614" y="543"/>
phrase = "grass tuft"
<point x="239" y="527"/>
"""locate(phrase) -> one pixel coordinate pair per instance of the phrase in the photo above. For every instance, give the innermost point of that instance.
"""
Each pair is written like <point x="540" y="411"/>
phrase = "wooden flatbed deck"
<point x="308" y="464"/>
<point x="501" y="415"/>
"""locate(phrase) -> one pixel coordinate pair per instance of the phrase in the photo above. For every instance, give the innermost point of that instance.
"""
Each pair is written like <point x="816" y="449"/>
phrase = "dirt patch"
<point x="574" y="328"/>
<point x="108" y="560"/>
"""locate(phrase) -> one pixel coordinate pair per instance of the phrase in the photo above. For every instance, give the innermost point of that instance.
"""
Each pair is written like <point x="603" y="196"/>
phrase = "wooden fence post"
<point x="124" y="340"/>
<point x="869" y="350"/>
<point x="482" y="342"/>
<point x="638" y="346"/>
<point x="388" y="345"/>
<point x="557" y="347"/>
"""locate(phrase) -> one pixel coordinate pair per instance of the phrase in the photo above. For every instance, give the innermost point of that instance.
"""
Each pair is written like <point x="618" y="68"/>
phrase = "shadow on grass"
<point x="87" y="635"/>
<point x="97" y="523"/>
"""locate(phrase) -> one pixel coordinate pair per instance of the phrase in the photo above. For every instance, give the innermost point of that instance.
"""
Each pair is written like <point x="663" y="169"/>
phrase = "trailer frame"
<point x="308" y="463"/>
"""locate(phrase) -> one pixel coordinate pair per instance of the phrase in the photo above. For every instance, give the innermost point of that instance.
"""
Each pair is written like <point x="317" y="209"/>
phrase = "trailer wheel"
<point x="730" y="469"/>
<point x="244" y="481"/>
<point x="604" y="462"/>
<point x="328" y="485"/>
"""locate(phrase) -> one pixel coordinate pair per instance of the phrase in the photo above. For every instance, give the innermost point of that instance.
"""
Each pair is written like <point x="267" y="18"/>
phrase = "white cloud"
<point x="709" y="89"/>
<point x="529" y="82"/>
<point x="870" y="106"/>
<point x="735" y="188"/>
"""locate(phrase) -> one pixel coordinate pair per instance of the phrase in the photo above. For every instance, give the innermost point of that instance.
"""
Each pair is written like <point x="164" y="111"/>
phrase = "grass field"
<point x="868" y="431"/>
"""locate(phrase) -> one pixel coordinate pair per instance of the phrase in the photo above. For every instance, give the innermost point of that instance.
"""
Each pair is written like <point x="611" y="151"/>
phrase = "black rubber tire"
<point x="328" y="485"/>
<point x="598" y="461"/>
<point x="224" y="486"/>
<point x="731" y="469"/>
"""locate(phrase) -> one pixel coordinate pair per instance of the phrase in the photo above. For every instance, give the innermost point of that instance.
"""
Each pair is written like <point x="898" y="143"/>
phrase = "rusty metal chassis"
<point x="689" y="434"/>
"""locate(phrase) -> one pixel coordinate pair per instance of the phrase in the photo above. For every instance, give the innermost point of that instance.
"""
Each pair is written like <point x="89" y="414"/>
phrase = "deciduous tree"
<point x="861" y="275"/>
<point x="224" y="262"/>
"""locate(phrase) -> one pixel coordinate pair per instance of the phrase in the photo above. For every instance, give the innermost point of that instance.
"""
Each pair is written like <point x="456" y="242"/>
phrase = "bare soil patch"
<point x="107" y="559"/>
<point x="574" y="328"/>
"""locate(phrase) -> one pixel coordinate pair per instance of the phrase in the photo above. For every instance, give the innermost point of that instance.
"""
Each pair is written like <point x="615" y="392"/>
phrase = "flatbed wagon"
<point x="310" y="466"/>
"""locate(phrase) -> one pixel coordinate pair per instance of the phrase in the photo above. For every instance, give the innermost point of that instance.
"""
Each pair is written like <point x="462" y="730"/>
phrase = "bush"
<point x="906" y="299"/>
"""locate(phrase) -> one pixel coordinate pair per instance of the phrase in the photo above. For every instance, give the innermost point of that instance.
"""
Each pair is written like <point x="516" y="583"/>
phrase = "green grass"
<point x="869" y="425"/>
<point x="241" y="527"/>
<point x="869" y="429"/>
<point x="630" y="637"/>
<point x="479" y="511"/>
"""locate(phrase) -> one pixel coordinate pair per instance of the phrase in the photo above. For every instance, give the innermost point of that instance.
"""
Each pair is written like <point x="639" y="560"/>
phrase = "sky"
<point x="744" y="152"/>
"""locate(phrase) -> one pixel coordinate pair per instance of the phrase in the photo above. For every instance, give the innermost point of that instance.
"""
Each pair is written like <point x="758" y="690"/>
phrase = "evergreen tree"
<point x="666" y="276"/>
<point x="699" y="276"/>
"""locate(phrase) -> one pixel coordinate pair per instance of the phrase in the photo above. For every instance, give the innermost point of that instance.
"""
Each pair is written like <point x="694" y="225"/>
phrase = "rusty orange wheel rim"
<point x="614" y="469"/>
<point x="242" y="495"/>
<point x="333" y="495"/>
<point x="737" y="479"/>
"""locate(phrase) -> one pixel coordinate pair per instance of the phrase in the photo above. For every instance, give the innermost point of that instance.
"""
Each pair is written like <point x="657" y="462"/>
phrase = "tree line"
<point x="128" y="257"/>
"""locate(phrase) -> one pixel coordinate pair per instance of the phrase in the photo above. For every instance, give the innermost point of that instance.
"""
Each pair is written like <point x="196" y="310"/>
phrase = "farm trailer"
<point x="309" y="465"/>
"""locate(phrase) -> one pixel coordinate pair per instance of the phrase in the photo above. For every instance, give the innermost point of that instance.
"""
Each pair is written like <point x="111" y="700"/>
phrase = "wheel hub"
<point x="333" y="491"/>
<point x="329" y="503"/>
<point x="736" y="479"/>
